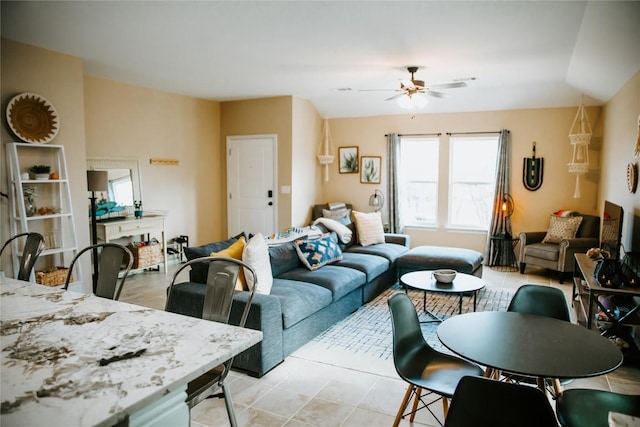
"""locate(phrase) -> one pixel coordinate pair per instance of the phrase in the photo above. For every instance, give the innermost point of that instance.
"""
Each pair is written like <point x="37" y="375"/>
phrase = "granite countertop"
<point x="61" y="350"/>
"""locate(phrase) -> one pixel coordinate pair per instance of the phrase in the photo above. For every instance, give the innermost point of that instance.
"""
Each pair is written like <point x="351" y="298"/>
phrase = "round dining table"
<point x="530" y="345"/>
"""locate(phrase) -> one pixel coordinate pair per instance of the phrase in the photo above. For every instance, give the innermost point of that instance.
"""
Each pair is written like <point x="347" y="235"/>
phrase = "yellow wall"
<point x="306" y="173"/>
<point x="125" y="121"/>
<point x="261" y="117"/>
<point x="58" y="78"/>
<point x="620" y="133"/>
<point x="548" y="127"/>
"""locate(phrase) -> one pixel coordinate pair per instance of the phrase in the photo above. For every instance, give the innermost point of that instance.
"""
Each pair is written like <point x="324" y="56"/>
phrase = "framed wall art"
<point x="348" y="159"/>
<point x="370" y="169"/>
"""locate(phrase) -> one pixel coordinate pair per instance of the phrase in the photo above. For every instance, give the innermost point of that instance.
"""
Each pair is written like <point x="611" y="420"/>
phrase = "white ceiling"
<point x="524" y="54"/>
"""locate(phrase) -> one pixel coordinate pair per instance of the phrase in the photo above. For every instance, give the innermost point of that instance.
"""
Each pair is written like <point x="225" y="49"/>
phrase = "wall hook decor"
<point x="532" y="170"/>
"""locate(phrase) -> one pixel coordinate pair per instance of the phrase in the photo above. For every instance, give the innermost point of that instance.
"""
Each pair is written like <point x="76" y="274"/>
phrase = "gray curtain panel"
<point x="499" y="223"/>
<point x="393" y="205"/>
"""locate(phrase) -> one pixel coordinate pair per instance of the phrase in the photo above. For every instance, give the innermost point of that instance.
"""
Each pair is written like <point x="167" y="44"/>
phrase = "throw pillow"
<point x="342" y="215"/>
<point x="318" y="252"/>
<point x="235" y="251"/>
<point x="562" y="228"/>
<point x="256" y="254"/>
<point x="343" y="232"/>
<point x="369" y="227"/>
<point x="562" y="212"/>
<point x="199" y="272"/>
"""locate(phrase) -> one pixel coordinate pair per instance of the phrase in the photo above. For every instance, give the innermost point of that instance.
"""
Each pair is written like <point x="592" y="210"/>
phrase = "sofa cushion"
<point x="199" y="272"/>
<point x="314" y="253"/>
<point x="371" y="265"/>
<point x="434" y="257"/>
<point x="283" y="258"/>
<point x="187" y="298"/>
<point x="543" y="251"/>
<point x="390" y="251"/>
<point x="299" y="300"/>
<point x="339" y="280"/>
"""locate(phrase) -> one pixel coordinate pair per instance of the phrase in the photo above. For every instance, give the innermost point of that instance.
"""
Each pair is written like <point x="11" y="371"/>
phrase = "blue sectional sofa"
<point x="302" y="303"/>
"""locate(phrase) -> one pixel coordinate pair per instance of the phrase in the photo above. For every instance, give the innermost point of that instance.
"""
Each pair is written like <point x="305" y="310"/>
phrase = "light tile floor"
<point x="299" y="392"/>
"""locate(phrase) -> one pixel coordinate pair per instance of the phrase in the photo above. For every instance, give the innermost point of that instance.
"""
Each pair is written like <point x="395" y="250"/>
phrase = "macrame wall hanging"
<point x="532" y="170"/>
<point x="325" y="153"/>
<point x="580" y="137"/>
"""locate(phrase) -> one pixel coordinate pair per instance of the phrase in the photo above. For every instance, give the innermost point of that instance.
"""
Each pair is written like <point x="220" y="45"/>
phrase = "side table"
<point x="503" y="250"/>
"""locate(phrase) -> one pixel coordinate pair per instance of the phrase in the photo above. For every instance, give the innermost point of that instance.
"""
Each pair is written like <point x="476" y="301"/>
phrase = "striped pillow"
<point x="369" y="227"/>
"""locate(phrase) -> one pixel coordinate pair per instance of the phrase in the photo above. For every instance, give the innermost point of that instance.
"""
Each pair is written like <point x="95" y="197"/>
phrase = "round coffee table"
<point x="424" y="281"/>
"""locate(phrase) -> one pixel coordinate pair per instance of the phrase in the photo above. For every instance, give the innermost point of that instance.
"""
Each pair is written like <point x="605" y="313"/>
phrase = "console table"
<point x="586" y="291"/>
<point x="107" y="231"/>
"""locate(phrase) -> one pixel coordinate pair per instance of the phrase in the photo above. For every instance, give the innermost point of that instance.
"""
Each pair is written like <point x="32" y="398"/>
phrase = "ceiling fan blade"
<point x="395" y="96"/>
<point x="437" y="94"/>
<point x="448" y="85"/>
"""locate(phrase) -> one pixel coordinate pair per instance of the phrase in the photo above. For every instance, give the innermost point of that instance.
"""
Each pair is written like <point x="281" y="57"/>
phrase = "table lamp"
<point x="96" y="181"/>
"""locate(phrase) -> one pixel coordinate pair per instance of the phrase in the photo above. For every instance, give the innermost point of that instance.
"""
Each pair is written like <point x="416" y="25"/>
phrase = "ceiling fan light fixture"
<point x="409" y="101"/>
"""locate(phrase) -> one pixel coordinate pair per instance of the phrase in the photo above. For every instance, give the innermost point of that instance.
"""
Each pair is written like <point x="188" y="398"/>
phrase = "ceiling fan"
<point x="410" y="88"/>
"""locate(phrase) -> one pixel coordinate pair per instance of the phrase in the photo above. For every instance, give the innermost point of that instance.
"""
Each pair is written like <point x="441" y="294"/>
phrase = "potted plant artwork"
<point x="40" y="172"/>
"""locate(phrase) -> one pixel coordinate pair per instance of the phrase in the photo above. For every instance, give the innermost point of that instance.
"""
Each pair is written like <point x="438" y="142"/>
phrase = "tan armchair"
<point x="559" y="257"/>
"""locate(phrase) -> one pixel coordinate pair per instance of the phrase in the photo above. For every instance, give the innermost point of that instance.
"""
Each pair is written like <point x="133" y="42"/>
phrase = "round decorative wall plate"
<point x="632" y="177"/>
<point x="32" y="118"/>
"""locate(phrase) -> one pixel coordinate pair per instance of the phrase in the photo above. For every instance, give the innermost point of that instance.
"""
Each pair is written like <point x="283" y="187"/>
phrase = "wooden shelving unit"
<point x="57" y="226"/>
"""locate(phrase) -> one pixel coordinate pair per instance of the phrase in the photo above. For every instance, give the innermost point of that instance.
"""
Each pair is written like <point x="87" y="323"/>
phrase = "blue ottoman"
<point x="434" y="257"/>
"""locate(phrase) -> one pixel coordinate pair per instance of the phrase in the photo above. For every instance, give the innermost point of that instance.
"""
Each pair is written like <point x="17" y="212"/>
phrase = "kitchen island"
<point x="73" y="359"/>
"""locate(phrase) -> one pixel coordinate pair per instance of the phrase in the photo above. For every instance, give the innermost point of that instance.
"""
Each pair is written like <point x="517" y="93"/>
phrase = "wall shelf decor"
<point x="370" y="169"/>
<point x="532" y="170"/>
<point x="580" y="138"/>
<point x="348" y="159"/>
<point x="43" y="206"/>
<point x="32" y="118"/>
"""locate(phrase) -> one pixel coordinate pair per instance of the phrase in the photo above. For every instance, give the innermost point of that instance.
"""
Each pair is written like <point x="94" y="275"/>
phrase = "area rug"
<point x="362" y="341"/>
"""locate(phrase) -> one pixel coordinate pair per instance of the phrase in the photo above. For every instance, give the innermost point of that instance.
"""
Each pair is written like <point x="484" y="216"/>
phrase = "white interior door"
<point x="251" y="184"/>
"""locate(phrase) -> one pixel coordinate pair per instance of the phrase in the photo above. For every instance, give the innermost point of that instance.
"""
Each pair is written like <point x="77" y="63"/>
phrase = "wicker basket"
<point x="147" y="255"/>
<point x="53" y="277"/>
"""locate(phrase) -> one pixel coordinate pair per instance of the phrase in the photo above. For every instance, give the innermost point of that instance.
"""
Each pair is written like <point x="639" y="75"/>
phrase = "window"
<point x="472" y="173"/>
<point x="418" y="175"/>
<point x="457" y="183"/>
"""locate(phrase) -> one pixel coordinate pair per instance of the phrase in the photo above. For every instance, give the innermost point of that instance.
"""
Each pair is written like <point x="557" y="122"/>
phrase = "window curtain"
<point x="500" y="224"/>
<point x="393" y="157"/>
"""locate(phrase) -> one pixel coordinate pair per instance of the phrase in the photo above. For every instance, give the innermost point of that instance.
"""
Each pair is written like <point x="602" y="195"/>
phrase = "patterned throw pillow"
<point x="562" y="228"/>
<point x="316" y="253"/>
<point x="369" y="226"/>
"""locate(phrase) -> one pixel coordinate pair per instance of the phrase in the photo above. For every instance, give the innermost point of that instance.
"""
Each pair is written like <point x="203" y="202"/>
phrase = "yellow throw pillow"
<point x="235" y="251"/>
<point x="369" y="228"/>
